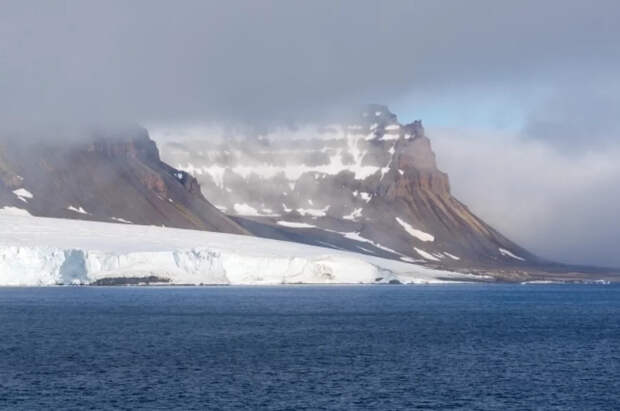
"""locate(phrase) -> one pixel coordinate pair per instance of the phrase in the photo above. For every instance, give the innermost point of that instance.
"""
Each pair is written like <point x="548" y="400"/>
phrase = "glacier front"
<point x="37" y="251"/>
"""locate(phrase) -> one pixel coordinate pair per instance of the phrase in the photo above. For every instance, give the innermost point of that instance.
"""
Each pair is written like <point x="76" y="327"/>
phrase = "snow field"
<point x="38" y="251"/>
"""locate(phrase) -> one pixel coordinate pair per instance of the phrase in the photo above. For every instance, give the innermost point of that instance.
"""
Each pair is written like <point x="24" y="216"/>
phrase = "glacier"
<point x="36" y="251"/>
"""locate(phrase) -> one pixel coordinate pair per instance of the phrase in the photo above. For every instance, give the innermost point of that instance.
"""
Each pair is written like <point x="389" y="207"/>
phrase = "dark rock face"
<point x="116" y="177"/>
<point x="371" y="186"/>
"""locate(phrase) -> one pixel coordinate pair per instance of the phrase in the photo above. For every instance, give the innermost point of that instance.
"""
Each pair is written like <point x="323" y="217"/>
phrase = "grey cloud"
<point x="266" y="61"/>
<point x="581" y="118"/>
<point x="560" y="205"/>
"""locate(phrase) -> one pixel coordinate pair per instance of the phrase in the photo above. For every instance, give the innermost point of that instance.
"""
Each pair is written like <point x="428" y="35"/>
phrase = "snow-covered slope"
<point x="45" y="251"/>
<point x="368" y="174"/>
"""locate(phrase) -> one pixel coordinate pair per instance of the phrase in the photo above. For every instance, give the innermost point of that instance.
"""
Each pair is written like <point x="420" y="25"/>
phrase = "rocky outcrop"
<point x="106" y="176"/>
<point x="371" y="185"/>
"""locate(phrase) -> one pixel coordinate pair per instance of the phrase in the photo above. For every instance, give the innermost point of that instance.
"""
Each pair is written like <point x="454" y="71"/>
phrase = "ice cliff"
<point x="43" y="251"/>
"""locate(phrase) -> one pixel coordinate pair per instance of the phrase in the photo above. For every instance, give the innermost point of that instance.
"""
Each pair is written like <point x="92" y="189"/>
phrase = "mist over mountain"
<point x="111" y="176"/>
<point x="274" y="61"/>
<point x="309" y="204"/>
<point x="508" y="75"/>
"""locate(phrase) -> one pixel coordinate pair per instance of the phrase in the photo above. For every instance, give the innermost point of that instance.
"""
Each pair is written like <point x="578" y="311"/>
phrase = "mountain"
<point x="371" y="185"/>
<point x="113" y="176"/>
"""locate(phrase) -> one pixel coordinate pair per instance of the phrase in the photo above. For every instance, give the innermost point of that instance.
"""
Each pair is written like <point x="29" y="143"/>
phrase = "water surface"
<point x="307" y="347"/>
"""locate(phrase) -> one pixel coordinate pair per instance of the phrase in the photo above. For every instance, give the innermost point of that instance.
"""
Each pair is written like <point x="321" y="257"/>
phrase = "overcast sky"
<point x="521" y="98"/>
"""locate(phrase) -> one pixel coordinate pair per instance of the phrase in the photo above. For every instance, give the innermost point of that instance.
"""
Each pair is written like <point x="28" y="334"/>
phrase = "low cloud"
<point x="554" y="185"/>
<point x="579" y="119"/>
<point x="281" y="61"/>
<point x="560" y="205"/>
<point x="256" y="64"/>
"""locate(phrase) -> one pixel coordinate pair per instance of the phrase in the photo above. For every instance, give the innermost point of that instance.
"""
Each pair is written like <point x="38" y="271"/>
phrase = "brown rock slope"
<point x="414" y="192"/>
<point x="370" y="185"/>
<point x="114" y="177"/>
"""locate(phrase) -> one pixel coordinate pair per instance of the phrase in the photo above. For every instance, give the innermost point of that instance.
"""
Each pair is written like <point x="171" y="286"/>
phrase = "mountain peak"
<point x="372" y="187"/>
<point x="116" y="177"/>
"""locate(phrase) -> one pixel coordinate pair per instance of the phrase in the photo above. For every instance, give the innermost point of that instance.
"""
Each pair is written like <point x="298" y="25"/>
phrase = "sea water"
<point x="309" y="347"/>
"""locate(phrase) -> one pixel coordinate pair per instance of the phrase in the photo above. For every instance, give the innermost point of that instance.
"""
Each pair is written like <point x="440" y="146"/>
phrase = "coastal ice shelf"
<point x="38" y="251"/>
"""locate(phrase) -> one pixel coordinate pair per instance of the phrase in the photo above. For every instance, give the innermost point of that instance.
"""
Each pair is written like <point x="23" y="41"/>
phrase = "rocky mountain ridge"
<point x="371" y="185"/>
<point x="103" y="177"/>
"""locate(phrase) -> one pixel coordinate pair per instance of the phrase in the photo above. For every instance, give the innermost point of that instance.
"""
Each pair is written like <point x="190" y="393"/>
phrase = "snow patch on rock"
<point x="365" y="196"/>
<point x="507" y="253"/>
<point x="78" y="210"/>
<point x="294" y="224"/>
<point x="23" y="194"/>
<point x="419" y="234"/>
<point x="121" y="220"/>
<point x="314" y="212"/>
<point x="355" y="215"/>
<point x="245" y="209"/>
<point x="426" y="255"/>
<point x="13" y="211"/>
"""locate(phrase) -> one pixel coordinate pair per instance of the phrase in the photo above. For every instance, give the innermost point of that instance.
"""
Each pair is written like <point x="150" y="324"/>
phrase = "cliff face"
<point x="106" y="177"/>
<point x="370" y="185"/>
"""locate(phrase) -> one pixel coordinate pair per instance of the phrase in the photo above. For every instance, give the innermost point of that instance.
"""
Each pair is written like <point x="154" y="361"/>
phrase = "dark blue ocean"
<point x="304" y="347"/>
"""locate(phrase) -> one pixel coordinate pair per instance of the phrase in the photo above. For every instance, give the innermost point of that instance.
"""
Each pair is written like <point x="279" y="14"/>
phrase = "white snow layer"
<point x="314" y="212"/>
<point x="294" y="224"/>
<point x="294" y="170"/>
<point x="13" y="211"/>
<point x="78" y="210"/>
<point x="355" y="214"/>
<point x="245" y="209"/>
<point x="425" y="254"/>
<point x="507" y="253"/>
<point x="37" y="251"/>
<point x="419" y="234"/>
<point x="121" y="220"/>
<point x="248" y="210"/>
<point x="23" y="194"/>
